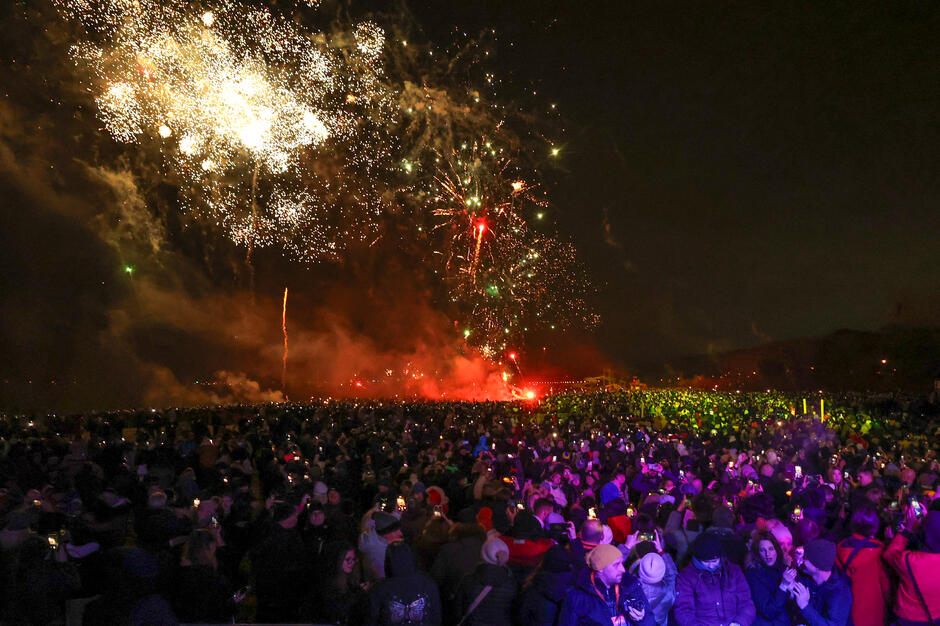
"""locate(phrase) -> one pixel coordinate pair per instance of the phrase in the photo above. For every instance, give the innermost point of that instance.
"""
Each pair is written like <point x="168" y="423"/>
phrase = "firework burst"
<point x="242" y="103"/>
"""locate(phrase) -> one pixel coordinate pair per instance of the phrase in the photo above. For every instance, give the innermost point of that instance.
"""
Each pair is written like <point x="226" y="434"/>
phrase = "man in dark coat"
<point x="824" y="598"/>
<point x="278" y="564"/>
<point x="711" y="590"/>
<point x="604" y="593"/>
<point x="405" y="596"/>
<point x="548" y="588"/>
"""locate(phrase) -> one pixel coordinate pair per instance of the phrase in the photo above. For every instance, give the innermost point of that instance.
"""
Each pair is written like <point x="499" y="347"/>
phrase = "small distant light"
<point x="208" y="165"/>
<point x="466" y="332"/>
<point x="518" y="185"/>
<point x="350" y="98"/>
<point x="884" y="361"/>
<point x="539" y="215"/>
<point x="128" y="269"/>
<point x="555" y="151"/>
<point x="208" y="18"/>
<point x="165" y="131"/>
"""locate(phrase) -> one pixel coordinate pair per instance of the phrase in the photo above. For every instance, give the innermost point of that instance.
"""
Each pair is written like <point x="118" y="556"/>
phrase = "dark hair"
<point x="753" y="555"/>
<point x="864" y="520"/>
<point x="541" y="503"/>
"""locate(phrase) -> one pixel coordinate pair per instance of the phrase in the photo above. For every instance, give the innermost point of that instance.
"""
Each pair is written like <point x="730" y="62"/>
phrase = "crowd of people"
<point x="636" y="507"/>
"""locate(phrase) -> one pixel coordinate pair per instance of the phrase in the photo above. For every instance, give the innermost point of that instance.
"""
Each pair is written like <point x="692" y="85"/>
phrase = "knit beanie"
<point x="821" y="553"/>
<point x="708" y="546"/>
<point x="652" y="569"/>
<point x="494" y="551"/>
<point x="602" y="556"/>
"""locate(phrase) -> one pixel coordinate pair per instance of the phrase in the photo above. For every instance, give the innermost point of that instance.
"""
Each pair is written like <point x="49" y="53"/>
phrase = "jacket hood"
<point x="399" y="560"/>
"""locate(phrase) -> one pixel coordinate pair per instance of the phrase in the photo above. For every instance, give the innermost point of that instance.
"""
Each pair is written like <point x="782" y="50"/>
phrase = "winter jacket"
<point x="405" y="596"/>
<point x="455" y="560"/>
<point x="769" y="600"/>
<point x="585" y="607"/>
<point x="200" y="594"/>
<point x="543" y="596"/>
<point x="526" y="552"/>
<point x="830" y="604"/>
<point x="713" y="598"/>
<point x="911" y="566"/>
<point x="868" y="579"/>
<point x="662" y="595"/>
<point x="496" y="608"/>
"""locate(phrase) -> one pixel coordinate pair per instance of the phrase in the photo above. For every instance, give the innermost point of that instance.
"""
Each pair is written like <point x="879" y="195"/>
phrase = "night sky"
<point x="731" y="174"/>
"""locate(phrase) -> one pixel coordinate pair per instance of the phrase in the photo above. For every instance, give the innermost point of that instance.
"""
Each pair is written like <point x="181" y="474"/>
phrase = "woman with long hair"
<point x="337" y="597"/>
<point x="769" y="580"/>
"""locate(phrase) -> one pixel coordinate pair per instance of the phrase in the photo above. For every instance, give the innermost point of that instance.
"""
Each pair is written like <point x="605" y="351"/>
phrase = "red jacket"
<point x="925" y="567"/>
<point x="526" y="552"/>
<point x="870" y="585"/>
<point x="620" y="526"/>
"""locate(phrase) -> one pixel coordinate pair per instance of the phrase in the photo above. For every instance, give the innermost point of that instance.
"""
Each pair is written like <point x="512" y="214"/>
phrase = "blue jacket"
<point x="769" y="600"/>
<point x="584" y="607"/>
<point x="830" y="604"/>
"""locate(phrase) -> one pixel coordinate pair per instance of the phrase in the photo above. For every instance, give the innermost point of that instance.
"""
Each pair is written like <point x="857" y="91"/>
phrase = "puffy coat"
<point x="868" y="578"/>
<point x="543" y="596"/>
<point x="405" y="596"/>
<point x="925" y="567"/>
<point x="584" y="606"/>
<point x="713" y="598"/>
<point x="496" y="607"/>
<point x="769" y="600"/>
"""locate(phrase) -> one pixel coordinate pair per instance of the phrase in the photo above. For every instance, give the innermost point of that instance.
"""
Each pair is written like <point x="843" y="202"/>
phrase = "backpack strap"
<point x="476" y="602"/>
<point x="910" y="570"/>
<point x="852" y="555"/>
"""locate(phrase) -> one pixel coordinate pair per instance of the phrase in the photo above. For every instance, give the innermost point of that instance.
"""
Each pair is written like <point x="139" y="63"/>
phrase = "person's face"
<point x="333" y="497"/>
<point x="317" y="518"/>
<point x="612" y="574"/>
<point x="712" y="563"/>
<point x="349" y="562"/>
<point x="556" y="480"/>
<point x="768" y="554"/>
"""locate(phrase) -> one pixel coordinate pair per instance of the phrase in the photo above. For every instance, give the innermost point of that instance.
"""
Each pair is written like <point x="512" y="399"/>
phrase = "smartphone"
<point x="520" y="505"/>
<point x="798" y="471"/>
<point x="438" y="512"/>
<point x="400" y="502"/>
<point x="592" y="514"/>
<point x="53" y="540"/>
<point x="797" y="513"/>
<point x="507" y="480"/>
<point x="196" y="503"/>
<point x="646" y="537"/>
<point x="730" y="465"/>
<point x="631" y="511"/>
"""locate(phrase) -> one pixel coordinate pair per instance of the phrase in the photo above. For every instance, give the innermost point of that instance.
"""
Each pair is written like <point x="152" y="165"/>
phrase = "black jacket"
<point x="405" y="595"/>
<point x="496" y="607"/>
<point x="542" y="598"/>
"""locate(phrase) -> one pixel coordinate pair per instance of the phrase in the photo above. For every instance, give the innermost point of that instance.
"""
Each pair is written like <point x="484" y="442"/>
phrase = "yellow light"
<point x="208" y="165"/>
<point x="208" y="18"/>
<point x="555" y="151"/>
<point x="165" y="131"/>
<point x="517" y="185"/>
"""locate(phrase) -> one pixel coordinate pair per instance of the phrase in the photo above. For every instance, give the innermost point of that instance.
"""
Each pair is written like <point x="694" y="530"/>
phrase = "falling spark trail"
<point x="481" y="228"/>
<point x="284" y="329"/>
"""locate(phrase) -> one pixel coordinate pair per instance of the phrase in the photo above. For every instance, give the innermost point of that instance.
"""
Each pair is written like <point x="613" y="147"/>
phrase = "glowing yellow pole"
<point x="804" y="406"/>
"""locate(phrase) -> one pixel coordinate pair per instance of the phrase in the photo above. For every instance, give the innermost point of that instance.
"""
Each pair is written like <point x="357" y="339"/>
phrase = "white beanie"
<point x="652" y="569"/>
<point x="494" y="551"/>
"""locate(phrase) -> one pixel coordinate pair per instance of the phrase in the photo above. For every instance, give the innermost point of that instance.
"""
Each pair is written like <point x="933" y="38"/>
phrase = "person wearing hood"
<point x="486" y="595"/>
<point x="918" y="599"/>
<point x="405" y="596"/>
<point x="711" y="590"/>
<point x="604" y="593"/>
<point x="823" y="596"/>
<point x="547" y="588"/>
<point x="769" y="579"/>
